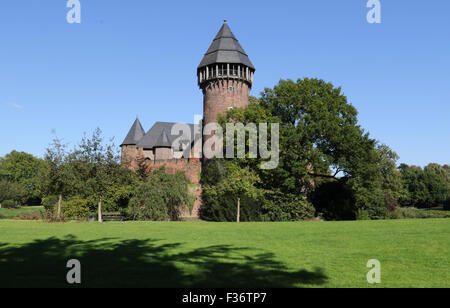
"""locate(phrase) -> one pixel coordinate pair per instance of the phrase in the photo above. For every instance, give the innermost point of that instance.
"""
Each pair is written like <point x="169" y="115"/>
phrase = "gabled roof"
<point x="135" y="134"/>
<point x="225" y="48"/>
<point x="161" y="130"/>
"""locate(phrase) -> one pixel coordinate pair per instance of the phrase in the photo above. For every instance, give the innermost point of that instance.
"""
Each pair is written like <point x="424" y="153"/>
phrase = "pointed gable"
<point x="135" y="134"/>
<point x="163" y="141"/>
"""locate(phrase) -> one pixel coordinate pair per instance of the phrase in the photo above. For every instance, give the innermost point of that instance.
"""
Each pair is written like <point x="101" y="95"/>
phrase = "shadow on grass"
<point x="145" y="263"/>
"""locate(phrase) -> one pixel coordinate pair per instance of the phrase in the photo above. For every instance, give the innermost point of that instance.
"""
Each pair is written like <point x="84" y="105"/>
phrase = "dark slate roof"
<point x="163" y="141"/>
<point x="155" y="136"/>
<point x="225" y="48"/>
<point x="135" y="134"/>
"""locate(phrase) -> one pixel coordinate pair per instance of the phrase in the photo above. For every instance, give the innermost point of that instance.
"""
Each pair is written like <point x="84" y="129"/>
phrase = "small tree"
<point x="239" y="182"/>
<point x="161" y="197"/>
<point x="96" y="164"/>
<point x="56" y="178"/>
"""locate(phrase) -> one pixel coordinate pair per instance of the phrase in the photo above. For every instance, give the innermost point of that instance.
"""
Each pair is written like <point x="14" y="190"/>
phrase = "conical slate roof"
<point x="135" y="134"/>
<point x="163" y="141"/>
<point x="225" y="48"/>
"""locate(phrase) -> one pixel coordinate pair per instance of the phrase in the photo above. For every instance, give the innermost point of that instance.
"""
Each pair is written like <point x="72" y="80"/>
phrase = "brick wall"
<point x="220" y="95"/>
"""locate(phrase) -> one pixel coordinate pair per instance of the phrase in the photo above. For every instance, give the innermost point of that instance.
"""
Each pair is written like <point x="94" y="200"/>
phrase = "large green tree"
<point x="425" y="187"/>
<point x="320" y="141"/>
<point x="23" y="169"/>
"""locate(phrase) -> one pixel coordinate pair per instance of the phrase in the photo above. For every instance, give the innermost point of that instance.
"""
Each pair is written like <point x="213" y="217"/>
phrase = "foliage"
<point x="58" y="178"/>
<point x="23" y="169"/>
<point x="51" y="217"/>
<point x="11" y="191"/>
<point x="224" y="183"/>
<point x="161" y="197"/>
<point x="282" y="207"/>
<point x="414" y="213"/>
<point x="77" y="208"/>
<point x="219" y="205"/>
<point x="10" y="204"/>
<point x="50" y="202"/>
<point x="88" y="173"/>
<point x="321" y="141"/>
<point x="228" y="181"/>
<point x="425" y="188"/>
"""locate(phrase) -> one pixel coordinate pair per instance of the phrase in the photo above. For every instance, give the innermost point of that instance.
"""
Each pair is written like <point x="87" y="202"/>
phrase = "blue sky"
<point x="139" y="57"/>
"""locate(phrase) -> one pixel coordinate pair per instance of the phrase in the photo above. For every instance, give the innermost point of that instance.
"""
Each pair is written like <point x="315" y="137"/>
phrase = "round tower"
<point x="225" y="75"/>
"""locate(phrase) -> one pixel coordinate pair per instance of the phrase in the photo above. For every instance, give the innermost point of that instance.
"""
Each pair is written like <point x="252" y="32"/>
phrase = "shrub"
<point x="286" y="207"/>
<point x="219" y="206"/>
<point x="50" y="202"/>
<point x="76" y="207"/>
<point x="10" y="204"/>
<point x="362" y="215"/>
<point x="414" y="213"/>
<point x="271" y="206"/>
<point x="51" y="216"/>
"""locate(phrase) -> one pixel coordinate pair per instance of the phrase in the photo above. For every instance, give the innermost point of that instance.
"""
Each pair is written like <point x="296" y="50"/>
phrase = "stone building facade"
<point x="225" y="76"/>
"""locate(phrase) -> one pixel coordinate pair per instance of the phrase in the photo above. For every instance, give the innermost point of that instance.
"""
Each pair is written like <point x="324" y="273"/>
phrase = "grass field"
<point x="413" y="253"/>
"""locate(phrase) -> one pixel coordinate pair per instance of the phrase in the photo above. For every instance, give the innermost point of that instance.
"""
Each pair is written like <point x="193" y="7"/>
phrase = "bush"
<point x="51" y="216"/>
<point x="10" y="204"/>
<point x="271" y="206"/>
<point x="50" y="202"/>
<point x="223" y="207"/>
<point x="76" y="207"/>
<point x="362" y="215"/>
<point x="414" y="213"/>
<point x="286" y="207"/>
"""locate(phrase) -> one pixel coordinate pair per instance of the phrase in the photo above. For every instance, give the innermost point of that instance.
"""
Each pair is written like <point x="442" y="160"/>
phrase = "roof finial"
<point x="224" y="21"/>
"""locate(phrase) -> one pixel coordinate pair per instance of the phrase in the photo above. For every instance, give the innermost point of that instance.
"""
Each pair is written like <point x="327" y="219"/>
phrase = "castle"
<point x="225" y="76"/>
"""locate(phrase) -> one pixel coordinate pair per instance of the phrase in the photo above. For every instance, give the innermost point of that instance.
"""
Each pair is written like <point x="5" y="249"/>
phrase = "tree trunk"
<point x="238" y="210"/>
<point x="100" y="219"/>
<point x="58" y="215"/>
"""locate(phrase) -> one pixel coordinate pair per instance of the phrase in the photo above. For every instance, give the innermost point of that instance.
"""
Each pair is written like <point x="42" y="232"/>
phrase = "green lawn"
<point x="13" y="213"/>
<point x="413" y="253"/>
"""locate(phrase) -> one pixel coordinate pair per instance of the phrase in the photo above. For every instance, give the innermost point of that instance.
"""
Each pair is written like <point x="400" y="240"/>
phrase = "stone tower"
<point x="225" y="75"/>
